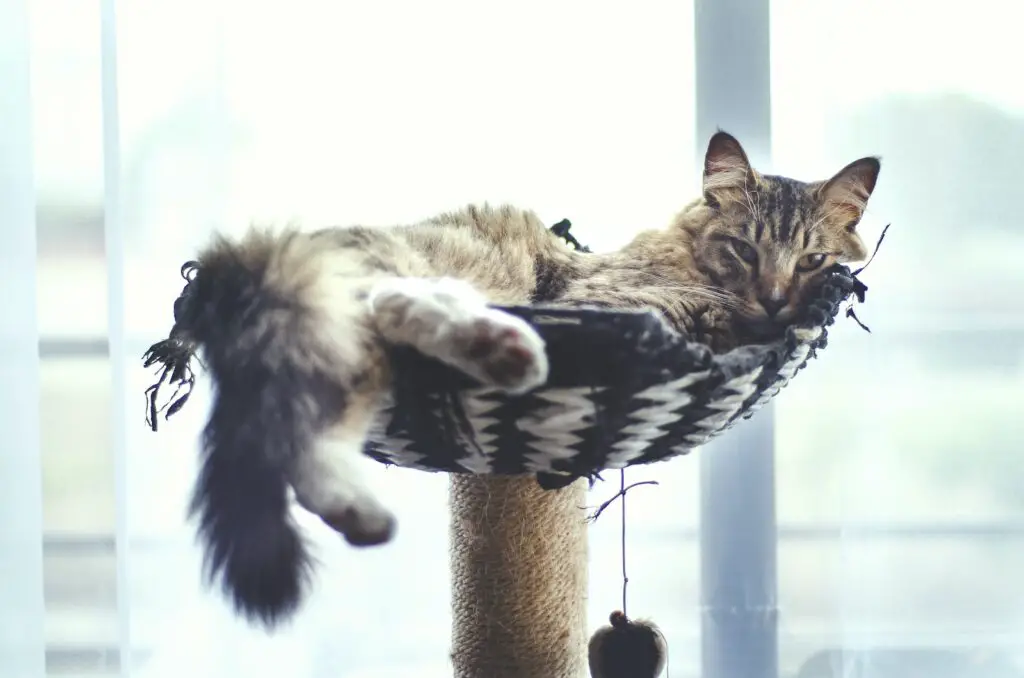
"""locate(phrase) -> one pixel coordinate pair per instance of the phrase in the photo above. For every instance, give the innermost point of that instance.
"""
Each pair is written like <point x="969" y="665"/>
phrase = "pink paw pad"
<point x="508" y="356"/>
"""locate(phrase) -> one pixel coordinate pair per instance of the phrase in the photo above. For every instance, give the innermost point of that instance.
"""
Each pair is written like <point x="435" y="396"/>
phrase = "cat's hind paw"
<point x="504" y="351"/>
<point x="449" y="320"/>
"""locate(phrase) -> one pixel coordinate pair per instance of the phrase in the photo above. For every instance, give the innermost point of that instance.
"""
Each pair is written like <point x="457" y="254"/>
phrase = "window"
<point x="899" y="520"/>
<point x="901" y="528"/>
<point x="336" y="124"/>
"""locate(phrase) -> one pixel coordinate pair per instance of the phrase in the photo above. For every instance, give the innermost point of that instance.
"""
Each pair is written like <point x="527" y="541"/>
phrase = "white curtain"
<point x="135" y="130"/>
<point x="21" y="504"/>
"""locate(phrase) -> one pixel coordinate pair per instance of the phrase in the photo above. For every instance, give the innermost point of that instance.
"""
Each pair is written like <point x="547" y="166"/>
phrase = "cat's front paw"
<point x="713" y="326"/>
<point x="362" y="527"/>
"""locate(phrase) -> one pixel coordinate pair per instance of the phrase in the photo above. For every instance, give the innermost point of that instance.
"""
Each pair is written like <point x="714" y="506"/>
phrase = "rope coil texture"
<point x="519" y="578"/>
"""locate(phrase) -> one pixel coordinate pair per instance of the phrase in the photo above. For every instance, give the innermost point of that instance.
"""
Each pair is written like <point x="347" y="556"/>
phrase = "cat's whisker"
<point x="697" y="288"/>
<point x="721" y="297"/>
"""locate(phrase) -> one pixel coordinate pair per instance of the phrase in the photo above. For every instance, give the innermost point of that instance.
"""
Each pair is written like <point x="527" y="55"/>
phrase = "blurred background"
<point x="898" y="467"/>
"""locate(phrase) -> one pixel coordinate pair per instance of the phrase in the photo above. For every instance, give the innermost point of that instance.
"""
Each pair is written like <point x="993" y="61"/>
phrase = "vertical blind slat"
<point x="739" y="600"/>
<point x="114" y="251"/>
<point x="22" y="607"/>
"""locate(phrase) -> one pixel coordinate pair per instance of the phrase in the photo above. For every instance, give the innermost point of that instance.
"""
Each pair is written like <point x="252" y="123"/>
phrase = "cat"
<point x="294" y="328"/>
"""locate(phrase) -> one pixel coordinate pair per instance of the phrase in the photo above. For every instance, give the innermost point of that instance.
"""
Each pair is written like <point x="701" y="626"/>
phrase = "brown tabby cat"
<point x="294" y="327"/>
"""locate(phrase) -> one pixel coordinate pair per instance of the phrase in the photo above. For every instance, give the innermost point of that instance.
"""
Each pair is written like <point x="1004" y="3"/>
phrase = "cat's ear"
<point x="845" y="196"/>
<point x="727" y="172"/>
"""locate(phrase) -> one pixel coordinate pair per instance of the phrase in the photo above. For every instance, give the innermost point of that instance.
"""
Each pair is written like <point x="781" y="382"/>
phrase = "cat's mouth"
<point x="753" y="318"/>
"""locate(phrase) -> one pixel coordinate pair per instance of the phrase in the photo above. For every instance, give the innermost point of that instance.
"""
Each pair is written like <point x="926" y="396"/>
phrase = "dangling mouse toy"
<point x="627" y="649"/>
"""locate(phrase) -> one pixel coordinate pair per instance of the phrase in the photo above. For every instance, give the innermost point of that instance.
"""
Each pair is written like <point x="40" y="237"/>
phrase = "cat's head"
<point x="768" y="239"/>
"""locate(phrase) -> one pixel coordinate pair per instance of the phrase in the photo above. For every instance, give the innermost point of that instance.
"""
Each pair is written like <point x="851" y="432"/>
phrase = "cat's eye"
<point x="809" y="262"/>
<point x="745" y="251"/>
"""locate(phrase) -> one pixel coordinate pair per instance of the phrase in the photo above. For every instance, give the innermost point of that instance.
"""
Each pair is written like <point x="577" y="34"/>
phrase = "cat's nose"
<point x="772" y="305"/>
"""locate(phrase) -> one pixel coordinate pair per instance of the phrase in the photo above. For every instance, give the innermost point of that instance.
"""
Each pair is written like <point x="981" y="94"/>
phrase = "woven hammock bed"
<point x="624" y="389"/>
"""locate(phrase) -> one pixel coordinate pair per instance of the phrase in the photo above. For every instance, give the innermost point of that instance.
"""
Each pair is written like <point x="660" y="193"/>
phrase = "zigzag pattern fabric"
<point x="624" y="389"/>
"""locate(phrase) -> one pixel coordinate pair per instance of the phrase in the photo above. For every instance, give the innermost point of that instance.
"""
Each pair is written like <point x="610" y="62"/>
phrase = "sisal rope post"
<point x="519" y="578"/>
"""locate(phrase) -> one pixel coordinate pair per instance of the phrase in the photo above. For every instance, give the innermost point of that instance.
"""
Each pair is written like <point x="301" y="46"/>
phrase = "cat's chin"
<point x="759" y="330"/>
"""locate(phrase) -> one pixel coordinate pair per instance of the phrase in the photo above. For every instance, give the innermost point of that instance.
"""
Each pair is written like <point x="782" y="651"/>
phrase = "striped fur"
<point x="766" y="240"/>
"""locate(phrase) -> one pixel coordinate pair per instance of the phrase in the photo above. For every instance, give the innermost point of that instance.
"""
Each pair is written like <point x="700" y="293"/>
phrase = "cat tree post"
<point x="519" y="578"/>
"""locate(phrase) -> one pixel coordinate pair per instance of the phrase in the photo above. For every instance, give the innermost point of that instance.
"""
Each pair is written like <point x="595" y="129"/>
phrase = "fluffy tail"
<point x="255" y="310"/>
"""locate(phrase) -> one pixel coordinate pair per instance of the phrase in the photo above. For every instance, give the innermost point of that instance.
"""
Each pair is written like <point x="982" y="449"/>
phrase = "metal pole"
<point x="739" y="615"/>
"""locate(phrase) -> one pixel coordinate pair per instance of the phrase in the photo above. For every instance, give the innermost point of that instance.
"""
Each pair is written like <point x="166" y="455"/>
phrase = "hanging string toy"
<point x="626" y="648"/>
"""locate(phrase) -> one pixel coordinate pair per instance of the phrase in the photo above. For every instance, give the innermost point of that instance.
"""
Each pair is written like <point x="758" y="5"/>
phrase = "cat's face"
<point x="769" y="239"/>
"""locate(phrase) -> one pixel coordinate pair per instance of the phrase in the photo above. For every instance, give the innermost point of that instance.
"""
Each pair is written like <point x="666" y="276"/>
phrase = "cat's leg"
<point x="330" y="478"/>
<point x="450" y="320"/>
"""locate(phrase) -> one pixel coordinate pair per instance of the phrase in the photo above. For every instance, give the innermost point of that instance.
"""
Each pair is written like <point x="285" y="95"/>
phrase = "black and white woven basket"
<point x="624" y="389"/>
